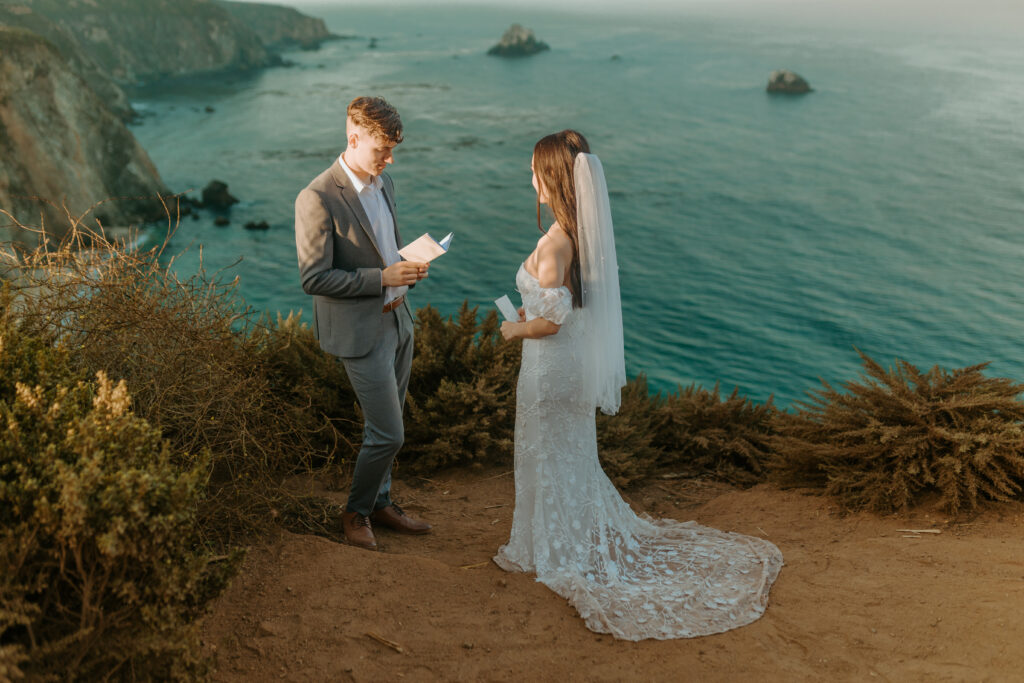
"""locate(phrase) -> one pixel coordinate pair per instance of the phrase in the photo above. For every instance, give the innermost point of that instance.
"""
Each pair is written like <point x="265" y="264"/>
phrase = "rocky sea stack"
<point x="518" y="42"/>
<point x="217" y="197"/>
<point x="788" y="83"/>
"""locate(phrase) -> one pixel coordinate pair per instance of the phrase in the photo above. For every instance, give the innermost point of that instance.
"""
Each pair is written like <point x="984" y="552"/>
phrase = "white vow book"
<point x="509" y="311"/>
<point x="425" y="249"/>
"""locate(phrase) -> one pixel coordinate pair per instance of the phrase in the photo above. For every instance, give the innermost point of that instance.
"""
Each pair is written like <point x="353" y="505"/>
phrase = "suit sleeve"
<point x="314" y="242"/>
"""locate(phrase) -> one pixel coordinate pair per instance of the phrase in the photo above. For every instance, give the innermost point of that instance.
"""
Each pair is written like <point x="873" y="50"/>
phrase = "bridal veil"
<point x="604" y="365"/>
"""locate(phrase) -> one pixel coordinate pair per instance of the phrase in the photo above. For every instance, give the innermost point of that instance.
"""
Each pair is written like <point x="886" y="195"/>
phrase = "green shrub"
<point x="199" y="364"/>
<point x="312" y="385"/>
<point x="900" y="434"/>
<point x="461" y="403"/>
<point x="99" y="569"/>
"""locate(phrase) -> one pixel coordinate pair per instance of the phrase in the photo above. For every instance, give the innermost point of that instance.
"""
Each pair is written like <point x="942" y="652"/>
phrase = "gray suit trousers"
<point x="380" y="379"/>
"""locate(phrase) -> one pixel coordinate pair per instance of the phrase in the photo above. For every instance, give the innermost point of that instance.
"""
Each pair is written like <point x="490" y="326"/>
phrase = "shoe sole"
<point x="360" y="545"/>
<point x="408" y="532"/>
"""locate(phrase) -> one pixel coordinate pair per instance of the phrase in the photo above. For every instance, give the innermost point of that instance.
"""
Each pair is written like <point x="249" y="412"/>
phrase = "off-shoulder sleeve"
<point x="555" y="304"/>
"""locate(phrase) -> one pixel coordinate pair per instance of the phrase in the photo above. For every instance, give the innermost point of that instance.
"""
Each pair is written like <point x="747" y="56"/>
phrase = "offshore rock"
<point x="280" y="28"/>
<point x="788" y="83"/>
<point x="518" y="42"/>
<point x="60" y="142"/>
<point x="216" y="196"/>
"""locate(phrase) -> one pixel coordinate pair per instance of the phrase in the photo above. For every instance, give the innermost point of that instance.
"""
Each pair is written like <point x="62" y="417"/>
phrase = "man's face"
<point x="367" y="153"/>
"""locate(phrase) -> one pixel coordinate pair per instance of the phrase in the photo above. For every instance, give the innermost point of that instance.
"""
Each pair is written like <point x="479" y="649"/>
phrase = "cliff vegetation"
<point x="148" y="424"/>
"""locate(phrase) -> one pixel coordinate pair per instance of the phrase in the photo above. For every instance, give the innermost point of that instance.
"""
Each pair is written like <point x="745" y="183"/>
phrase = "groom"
<point x="347" y="242"/>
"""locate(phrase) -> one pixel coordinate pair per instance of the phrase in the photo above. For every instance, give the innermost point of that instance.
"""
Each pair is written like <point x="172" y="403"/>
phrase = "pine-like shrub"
<point x="626" y="441"/>
<point x="312" y="385"/>
<point x="901" y="433"/>
<point x="461" y="403"/>
<point x="100" y="574"/>
<point x="693" y="432"/>
<point x="702" y="434"/>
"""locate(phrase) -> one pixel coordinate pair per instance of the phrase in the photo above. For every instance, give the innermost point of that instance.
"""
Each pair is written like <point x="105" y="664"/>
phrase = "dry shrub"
<point x="197" y="362"/>
<point x="461" y="403"/>
<point x="626" y="440"/>
<point x="693" y="432"/>
<point x="900" y="433"/>
<point x="313" y="386"/>
<point x="703" y="434"/>
<point x="100" y="571"/>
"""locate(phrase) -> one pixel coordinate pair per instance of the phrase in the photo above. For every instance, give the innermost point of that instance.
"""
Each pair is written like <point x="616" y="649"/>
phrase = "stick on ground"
<point x="384" y="641"/>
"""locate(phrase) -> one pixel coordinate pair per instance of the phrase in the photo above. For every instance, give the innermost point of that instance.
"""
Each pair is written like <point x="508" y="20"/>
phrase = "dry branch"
<point x="384" y="641"/>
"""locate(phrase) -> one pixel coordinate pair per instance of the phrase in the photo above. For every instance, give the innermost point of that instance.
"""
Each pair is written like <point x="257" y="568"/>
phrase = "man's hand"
<point x="403" y="273"/>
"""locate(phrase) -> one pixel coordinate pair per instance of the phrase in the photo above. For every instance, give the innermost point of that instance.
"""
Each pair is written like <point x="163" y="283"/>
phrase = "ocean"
<point x="761" y="239"/>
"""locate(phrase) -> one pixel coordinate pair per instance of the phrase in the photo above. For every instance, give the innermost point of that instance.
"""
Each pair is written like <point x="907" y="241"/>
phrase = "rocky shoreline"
<point x="65" y="66"/>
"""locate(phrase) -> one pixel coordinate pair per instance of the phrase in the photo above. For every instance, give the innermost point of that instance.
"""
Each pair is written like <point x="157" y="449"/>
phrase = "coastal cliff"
<point x="59" y="141"/>
<point x="22" y="16"/>
<point x="64" y="68"/>
<point x="137" y="41"/>
<point x="279" y="28"/>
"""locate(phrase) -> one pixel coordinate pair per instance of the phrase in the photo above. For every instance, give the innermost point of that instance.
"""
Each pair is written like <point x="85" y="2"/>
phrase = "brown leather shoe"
<point x="393" y="517"/>
<point x="358" y="531"/>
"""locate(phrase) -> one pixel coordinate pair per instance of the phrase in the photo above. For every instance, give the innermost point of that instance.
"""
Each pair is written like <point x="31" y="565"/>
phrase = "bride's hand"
<point x="522" y="314"/>
<point x="509" y="330"/>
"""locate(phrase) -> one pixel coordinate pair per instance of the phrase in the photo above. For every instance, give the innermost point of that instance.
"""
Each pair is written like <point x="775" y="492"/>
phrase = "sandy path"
<point x="856" y="600"/>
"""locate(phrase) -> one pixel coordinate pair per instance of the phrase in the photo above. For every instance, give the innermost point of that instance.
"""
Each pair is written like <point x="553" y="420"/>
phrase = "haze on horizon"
<point x="1005" y="16"/>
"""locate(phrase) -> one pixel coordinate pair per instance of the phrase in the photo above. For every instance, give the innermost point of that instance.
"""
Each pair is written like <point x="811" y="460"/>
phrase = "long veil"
<point x="604" y="369"/>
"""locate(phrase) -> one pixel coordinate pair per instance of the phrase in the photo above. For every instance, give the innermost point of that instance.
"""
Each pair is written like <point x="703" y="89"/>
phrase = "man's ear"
<point x="353" y="139"/>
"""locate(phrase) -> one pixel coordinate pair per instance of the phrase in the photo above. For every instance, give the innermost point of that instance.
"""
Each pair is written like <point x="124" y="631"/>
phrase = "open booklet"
<point x="425" y="249"/>
<point x="508" y="310"/>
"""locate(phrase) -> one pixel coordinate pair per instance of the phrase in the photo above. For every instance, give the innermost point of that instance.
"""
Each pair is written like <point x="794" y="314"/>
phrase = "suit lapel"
<point x="351" y="198"/>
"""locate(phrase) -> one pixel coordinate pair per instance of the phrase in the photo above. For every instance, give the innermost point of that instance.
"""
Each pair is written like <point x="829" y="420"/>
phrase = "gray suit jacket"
<point x="340" y="263"/>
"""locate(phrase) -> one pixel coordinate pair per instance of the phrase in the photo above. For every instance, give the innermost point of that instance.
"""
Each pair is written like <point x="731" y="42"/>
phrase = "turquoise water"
<point x="760" y="238"/>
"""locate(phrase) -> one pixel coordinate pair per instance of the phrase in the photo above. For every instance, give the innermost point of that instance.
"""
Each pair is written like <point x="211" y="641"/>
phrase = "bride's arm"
<point x="531" y="329"/>
<point x="551" y="267"/>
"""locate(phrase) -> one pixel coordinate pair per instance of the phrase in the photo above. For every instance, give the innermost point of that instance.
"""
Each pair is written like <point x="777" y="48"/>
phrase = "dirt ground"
<point x="859" y="599"/>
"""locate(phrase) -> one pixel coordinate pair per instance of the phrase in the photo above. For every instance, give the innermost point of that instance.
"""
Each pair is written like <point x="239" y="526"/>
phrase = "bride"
<point x="627" y="575"/>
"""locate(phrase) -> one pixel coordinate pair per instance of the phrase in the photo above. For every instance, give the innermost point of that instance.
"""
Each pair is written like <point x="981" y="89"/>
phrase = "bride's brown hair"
<point x="553" y="159"/>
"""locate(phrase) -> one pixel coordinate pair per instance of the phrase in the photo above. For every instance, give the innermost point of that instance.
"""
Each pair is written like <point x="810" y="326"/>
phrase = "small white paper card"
<point x="510" y="312"/>
<point x="425" y="248"/>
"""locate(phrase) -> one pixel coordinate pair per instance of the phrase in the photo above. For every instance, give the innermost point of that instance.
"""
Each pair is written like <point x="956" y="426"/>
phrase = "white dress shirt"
<point x="371" y="196"/>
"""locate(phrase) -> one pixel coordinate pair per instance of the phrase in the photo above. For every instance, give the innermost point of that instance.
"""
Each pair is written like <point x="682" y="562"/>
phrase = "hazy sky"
<point x="1005" y="15"/>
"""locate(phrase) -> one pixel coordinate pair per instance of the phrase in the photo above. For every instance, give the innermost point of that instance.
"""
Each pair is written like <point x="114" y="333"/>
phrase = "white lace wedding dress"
<point x="630" y="576"/>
